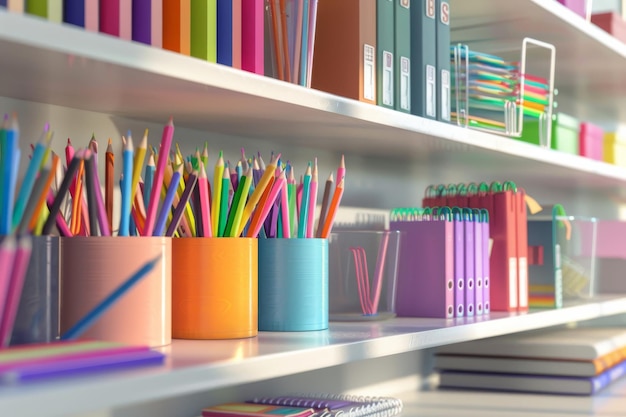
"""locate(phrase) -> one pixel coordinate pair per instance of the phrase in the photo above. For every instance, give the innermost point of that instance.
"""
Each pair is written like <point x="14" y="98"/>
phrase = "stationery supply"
<point x="14" y="257"/>
<point x="311" y="404"/>
<point x="50" y="9"/>
<point x="116" y="18"/>
<point x="385" y="54"/>
<point x="363" y="269"/>
<point x="402" y="85"/>
<point x="424" y="58"/>
<point x="252" y="36"/>
<point x="579" y="361"/>
<point x="203" y="26"/>
<point x="176" y="26"/>
<point x="443" y="62"/>
<point x="505" y="205"/>
<point x="344" y="60"/>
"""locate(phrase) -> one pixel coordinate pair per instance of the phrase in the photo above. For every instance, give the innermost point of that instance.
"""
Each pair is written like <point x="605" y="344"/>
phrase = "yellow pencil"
<point x="140" y="154"/>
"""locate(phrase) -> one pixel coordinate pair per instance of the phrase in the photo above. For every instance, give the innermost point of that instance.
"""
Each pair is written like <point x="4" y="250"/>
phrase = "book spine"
<point x="385" y="90"/>
<point x="402" y="57"/>
<point x="142" y="19"/>
<point x="423" y="58"/>
<point x="225" y="32"/>
<point x="74" y="12"/>
<point x="443" y="60"/>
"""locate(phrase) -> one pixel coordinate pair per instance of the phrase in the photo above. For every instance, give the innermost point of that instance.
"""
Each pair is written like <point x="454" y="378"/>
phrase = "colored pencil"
<point x="103" y="222"/>
<point x="341" y="170"/>
<point x="325" y="200"/>
<point x="75" y="224"/>
<point x="159" y="228"/>
<point x="256" y="216"/>
<point x="42" y="184"/>
<point x="65" y="185"/>
<point x="225" y="191"/>
<point x="312" y="202"/>
<point x="184" y="199"/>
<point x="218" y="173"/>
<point x="303" y="218"/>
<point x="84" y="323"/>
<point x="204" y="209"/>
<point x="148" y="179"/>
<point x="30" y="176"/>
<point x="127" y="178"/>
<point x="109" y="174"/>
<point x="279" y="185"/>
<point x="40" y="204"/>
<point x="92" y="204"/>
<point x="9" y="169"/>
<point x="140" y="154"/>
<point x="7" y="255"/>
<point x="166" y="143"/>
<point x="332" y="210"/>
<point x="12" y="301"/>
<point x="258" y="191"/>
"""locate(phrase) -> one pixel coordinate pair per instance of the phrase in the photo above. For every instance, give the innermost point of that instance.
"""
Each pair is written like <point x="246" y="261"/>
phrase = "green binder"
<point x="385" y="76"/>
<point x="403" y="55"/>
<point x="423" y="58"/>
<point x="443" y="60"/>
<point x="204" y="29"/>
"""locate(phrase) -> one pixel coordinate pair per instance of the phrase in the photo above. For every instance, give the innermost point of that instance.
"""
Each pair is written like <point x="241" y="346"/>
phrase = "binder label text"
<point x="512" y="282"/>
<point x="405" y="83"/>
<point x="430" y="9"/>
<point x="405" y="3"/>
<point x="445" y="95"/>
<point x="387" y="78"/>
<point x="369" y="82"/>
<point x="431" y="96"/>
<point x="445" y="13"/>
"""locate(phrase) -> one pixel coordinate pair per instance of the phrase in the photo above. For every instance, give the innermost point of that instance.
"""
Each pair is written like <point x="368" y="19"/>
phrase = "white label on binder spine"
<point x="523" y="282"/>
<point x="431" y="79"/>
<point x="513" y="282"/>
<point x="405" y="83"/>
<point x="445" y="95"/>
<point x="387" y="78"/>
<point x="369" y="86"/>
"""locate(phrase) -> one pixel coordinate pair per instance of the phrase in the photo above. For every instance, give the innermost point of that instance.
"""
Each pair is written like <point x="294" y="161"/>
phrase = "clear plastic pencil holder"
<point x="363" y="272"/>
<point x="37" y="319"/>
<point x="214" y="290"/>
<point x="93" y="267"/>
<point x="293" y="284"/>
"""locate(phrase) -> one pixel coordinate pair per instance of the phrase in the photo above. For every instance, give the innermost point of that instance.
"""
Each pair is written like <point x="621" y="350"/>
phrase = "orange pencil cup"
<point x="214" y="288"/>
<point x="93" y="267"/>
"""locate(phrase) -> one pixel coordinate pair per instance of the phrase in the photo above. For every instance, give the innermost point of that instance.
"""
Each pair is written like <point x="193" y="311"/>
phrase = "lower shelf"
<point x="201" y="366"/>
<point x="454" y="403"/>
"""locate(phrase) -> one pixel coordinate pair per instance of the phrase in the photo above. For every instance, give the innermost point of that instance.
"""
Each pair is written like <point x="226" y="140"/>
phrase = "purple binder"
<point x="484" y="219"/>
<point x="459" y="263"/>
<point x="470" y="260"/>
<point x="478" y="263"/>
<point x="425" y="285"/>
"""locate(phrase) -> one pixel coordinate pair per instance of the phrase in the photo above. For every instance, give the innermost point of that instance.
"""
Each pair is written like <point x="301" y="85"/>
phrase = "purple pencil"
<point x="190" y="184"/>
<point x="101" y="208"/>
<point x="20" y="265"/>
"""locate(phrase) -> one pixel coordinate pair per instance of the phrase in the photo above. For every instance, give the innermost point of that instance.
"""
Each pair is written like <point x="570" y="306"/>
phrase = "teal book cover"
<point x="423" y="58"/>
<point x="443" y="60"/>
<point x="385" y="91"/>
<point x="403" y="55"/>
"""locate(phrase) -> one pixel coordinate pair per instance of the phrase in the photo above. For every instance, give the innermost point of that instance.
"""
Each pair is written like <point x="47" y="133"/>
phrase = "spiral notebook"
<point x="331" y="405"/>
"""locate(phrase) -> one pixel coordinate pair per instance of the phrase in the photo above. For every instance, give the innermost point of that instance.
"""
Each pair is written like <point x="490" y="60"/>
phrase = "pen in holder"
<point x="363" y="267"/>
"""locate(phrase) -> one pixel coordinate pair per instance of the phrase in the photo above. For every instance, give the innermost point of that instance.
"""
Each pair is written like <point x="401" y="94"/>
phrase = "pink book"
<point x="126" y="19"/>
<point x="92" y="15"/>
<point x="252" y="36"/>
<point x="156" y="23"/>
<point x="116" y="18"/>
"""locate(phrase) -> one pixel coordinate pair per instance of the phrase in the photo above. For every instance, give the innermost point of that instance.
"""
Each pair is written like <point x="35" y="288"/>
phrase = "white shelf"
<point x="195" y="366"/>
<point x="589" y="61"/>
<point x="453" y="403"/>
<point x="67" y="66"/>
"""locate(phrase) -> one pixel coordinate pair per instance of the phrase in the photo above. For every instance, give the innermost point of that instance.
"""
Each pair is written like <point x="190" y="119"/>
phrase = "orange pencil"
<point x="44" y="195"/>
<point x="75" y="225"/>
<point x="332" y="210"/>
<point x="256" y="217"/>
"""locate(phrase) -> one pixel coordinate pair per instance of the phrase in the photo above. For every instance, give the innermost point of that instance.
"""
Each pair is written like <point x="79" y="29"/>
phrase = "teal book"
<point x="423" y="58"/>
<point x="385" y="92"/>
<point x="403" y="55"/>
<point x="443" y="60"/>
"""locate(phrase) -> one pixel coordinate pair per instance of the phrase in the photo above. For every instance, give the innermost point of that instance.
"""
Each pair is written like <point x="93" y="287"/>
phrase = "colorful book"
<point x="252" y="36"/>
<point x="74" y="12"/>
<point x="16" y="6"/>
<point x="176" y="21"/>
<point x="259" y="410"/>
<point x="225" y="32"/>
<point x="116" y="18"/>
<point x="443" y="60"/>
<point x="385" y="76"/>
<point x="147" y="22"/>
<point x="92" y="15"/>
<point x="424" y="58"/>
<point x="583" y="343"/>
<point x="204" y="29"/>
<point x="344" y="60"/>
<point x="49" y="9"/>
<point x="531" y="383"/>
<point x="402" y="55"/>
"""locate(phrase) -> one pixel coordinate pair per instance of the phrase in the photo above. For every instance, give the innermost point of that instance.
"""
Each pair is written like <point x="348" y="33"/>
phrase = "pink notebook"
<point x="252" y="36"/>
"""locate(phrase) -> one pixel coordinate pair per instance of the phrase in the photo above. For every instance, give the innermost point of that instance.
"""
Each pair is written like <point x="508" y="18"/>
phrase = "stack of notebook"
<point x="579" y="361"/>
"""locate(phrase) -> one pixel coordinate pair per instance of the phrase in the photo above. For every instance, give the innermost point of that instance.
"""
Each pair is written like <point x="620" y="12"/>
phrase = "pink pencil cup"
<point x="591" y="141"/>
<point x="93" y="267"/>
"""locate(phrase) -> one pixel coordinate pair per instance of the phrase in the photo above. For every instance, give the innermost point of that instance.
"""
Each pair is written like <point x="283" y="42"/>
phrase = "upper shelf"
<point x="590" y="62"/>
<point x="67" y="66"/>
<point x="196" y="366"/>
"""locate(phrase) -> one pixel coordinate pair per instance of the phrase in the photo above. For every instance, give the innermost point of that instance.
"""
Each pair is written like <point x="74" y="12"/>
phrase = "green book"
<point x="204" y="29"/>
<point x="385" y="75"/>
<point x="37" y="7"/>
<point x="403" y="55"/>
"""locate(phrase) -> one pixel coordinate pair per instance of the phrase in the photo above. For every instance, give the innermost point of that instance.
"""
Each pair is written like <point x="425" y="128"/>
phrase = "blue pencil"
<point x="83" y="324"/>
<point x="127" y="181"/>
<point x="148" y="179"/>
<point x="10" y="162"/>
<point x="159" y="227"/>
<point x="304" y="203"/>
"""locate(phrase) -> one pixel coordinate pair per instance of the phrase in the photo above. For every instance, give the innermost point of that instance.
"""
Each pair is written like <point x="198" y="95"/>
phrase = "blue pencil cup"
<point x="293" y="284"/>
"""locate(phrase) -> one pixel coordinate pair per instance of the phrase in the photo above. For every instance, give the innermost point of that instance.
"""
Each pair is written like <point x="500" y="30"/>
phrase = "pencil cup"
<point x="293" y="284"/>
<point x="214" y="288"/>
<point x="363" y="269"/>
<point x="37" y="319"/>
<point x="93" y="267"/>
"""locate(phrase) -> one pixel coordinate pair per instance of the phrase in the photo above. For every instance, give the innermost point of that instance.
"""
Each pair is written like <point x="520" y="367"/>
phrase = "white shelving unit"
<point x="80" y="71"/>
